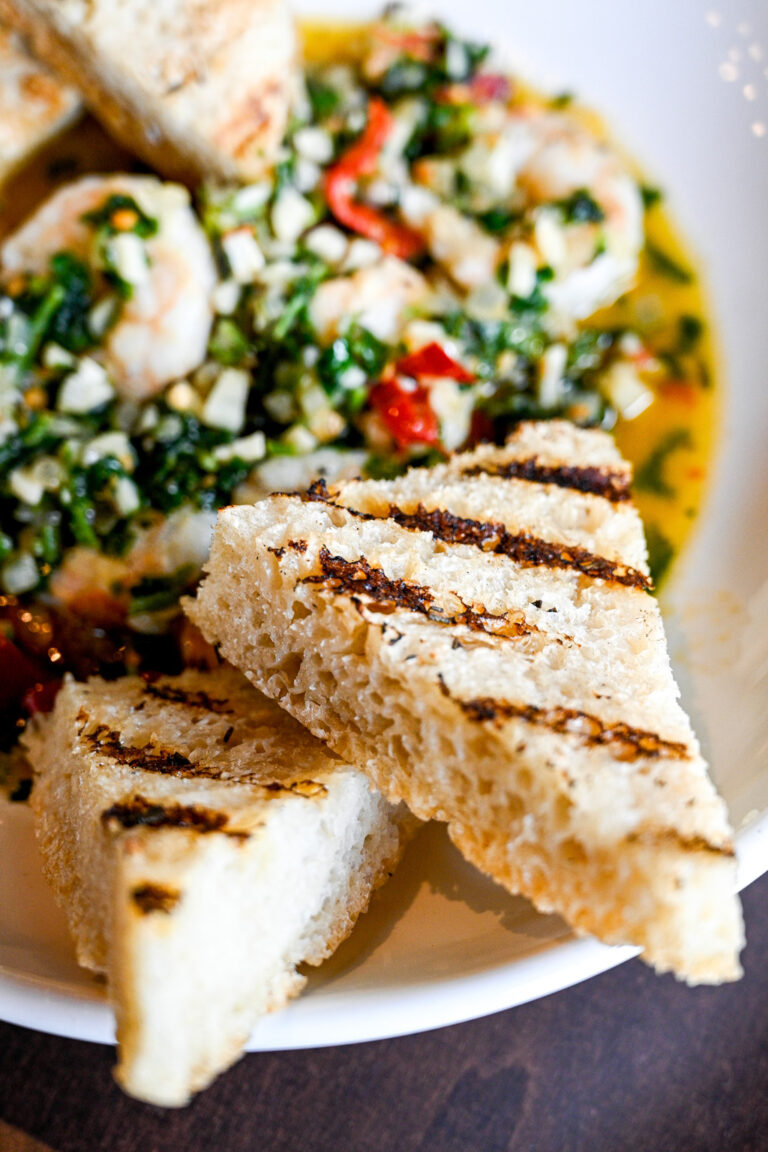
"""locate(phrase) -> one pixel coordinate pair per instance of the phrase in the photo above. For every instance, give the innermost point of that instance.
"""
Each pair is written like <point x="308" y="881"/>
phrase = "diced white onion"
<point x="551" y="375"/>
<point x="86" y="388"/>
<point x="328" y="243"/>
<point x="314" y="144"/>
<point x="622" y="387"/>
<point x="114" y="444"/>
<point x="225" y="404"/>
<point x="20" y="575"/>
<point x="129" y="256"/>
<point x="248" y="448"/>
<point x="292" y="214"/>
<point x="125" y="496"/>
<point x="300" y="439"/>
<point x="244" y="256"/>
<point x="225" y="297"/>
<point x="521" y="277"/>
<point x="251" y="198"/>
<point x="361" y="254"/>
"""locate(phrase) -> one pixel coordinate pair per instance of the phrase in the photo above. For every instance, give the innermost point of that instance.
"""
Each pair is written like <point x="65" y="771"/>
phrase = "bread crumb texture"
<point x="203" y="845"/>
<point x="480" y="637"/>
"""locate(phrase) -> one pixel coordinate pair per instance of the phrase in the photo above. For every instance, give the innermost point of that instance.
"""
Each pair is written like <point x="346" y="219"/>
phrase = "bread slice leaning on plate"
<point x="198" y="88"/>
<point x="202" y="845"/>
<point x="34" y="106"/>
<point x="481" y="638"/>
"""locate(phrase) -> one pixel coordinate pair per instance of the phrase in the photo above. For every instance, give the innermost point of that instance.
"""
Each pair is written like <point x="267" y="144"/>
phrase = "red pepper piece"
<point x="489" y="86"/>
<point x="419" y="45"/>
<point x="339" y="187"/>
<point x="481" y="428"/>
<point x="42" y="697"/>
<point x="406" y="413"/>
<point x="18" y="673"/>
<point x="433" y="360"/>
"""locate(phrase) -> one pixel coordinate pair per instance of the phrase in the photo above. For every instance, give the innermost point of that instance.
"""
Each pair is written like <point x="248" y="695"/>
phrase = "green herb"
<point x="228" y="344"/>
<point x="649" y="477"/>
<point x="651" y="196"/>
<point x="403" y="77"/>
<point x="323" y="99"/>
<point x="666" y="266"/>
<point x="184" y="471"/>
<point x="448" y="127"/>
<point x="358" y="348"/>
<point x="562" y="100"/>
<point x="497" y="219"/>
<point x="581" y="208"/>
<point x="69" y="322"/>
<point x="661" y="553"/>
<point x="155" y="593"/>
<point x="689" y="332"/>
<point x="378" y="467"/>
<point x="121" y="213"/>
<point x="409" y="74"/>
<point x="589" y="350"/>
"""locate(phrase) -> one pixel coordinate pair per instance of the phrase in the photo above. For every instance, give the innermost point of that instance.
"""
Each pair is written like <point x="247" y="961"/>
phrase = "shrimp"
<point x="537" y="164"/>
<point x="162" y="330"/>
<point x="378" y="297"/>
<point x="594" y="260"/>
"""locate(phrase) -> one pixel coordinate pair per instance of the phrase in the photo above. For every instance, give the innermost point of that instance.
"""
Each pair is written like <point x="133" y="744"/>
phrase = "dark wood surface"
<point x="627" y="1061"/>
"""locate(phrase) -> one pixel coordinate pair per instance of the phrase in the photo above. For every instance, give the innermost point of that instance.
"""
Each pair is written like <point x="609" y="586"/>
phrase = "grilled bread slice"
<point x="196" y="87"/>
<point x="480" y="637"/>
<point x="202" y="845"/>
<point x="34" y="105"/>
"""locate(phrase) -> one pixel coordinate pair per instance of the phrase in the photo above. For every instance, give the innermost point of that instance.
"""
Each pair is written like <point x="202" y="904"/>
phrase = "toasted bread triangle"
<point x="480" y="636"/>
<point x="202" y="845"/>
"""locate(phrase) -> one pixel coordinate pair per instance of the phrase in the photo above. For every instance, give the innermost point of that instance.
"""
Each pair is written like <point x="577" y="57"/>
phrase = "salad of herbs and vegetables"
<point x="416" y="275"/>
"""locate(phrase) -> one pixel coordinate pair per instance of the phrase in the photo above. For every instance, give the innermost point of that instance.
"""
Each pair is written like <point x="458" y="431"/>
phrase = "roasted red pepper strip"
<point x="433" y="360"/>
<point x="18" y="673"/>
<point x="406" y="413"/>
<point x="42" y="697"/>
<point x="339" y="187"/>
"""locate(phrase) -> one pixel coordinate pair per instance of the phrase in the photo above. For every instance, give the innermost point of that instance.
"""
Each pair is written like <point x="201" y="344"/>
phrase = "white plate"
<point x="685" y="86"/>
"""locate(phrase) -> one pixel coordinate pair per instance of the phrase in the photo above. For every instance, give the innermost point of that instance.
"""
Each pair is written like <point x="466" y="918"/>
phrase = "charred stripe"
<point x="155" y="898"/>
<point x="628" y="743"/>
<point x="358" y="578"/>
<point x="491" y="536"/>
<point x="613" y="486"/>
<point x="138" y="812"/>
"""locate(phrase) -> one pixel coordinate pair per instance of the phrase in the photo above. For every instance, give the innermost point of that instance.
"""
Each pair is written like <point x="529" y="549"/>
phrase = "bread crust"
<point x="203" y="846"/>
<point x="481" y="638"/>
<point x="34" y="105"/>
<point x="199" y="89"/>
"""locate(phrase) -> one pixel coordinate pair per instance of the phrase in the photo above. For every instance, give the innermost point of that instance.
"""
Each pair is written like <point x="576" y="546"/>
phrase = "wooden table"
<point x="627" y="1062"/>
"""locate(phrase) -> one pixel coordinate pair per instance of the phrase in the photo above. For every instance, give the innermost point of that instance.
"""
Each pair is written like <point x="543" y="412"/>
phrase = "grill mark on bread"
<point x="166" y="762"/>
<point x="139" y="812"/>
<point x="155" y="898"/>
<point x="625" y="742"/>
<point x="611" y="485"/>
<point x="306" y="788"/>
<point x="491" y="536"/>
<point x="659" y="837"/>
<point x="198" y="699"/>
<point x="356" y="578"/>
<point x="526" y="550"/>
